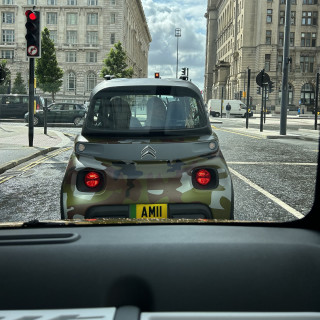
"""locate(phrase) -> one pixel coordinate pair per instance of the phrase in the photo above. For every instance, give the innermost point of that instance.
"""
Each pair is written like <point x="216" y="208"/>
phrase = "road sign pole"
<point x="265" y="104"/>
<point x="285" y="72"/>
<point x="316" y="103"/>
<point x="248" y="98"/>
<point x="31" y="99"/>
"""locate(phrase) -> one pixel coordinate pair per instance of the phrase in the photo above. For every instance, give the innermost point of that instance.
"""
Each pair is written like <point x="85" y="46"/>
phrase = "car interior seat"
<point x="176" y="115"/>
<point x="121" y="113"/>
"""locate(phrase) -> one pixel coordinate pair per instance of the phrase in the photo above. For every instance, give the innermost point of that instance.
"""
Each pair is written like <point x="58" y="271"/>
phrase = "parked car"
<point x="17" y="105"/>
<point x="60" y="113"/>
<point x="238" y="108"/>
<point x="168" y="164"/>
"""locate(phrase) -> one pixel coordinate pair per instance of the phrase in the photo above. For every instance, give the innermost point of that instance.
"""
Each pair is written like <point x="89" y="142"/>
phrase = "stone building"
<point x="83" y="31"/>
<point x="244" y="34"/>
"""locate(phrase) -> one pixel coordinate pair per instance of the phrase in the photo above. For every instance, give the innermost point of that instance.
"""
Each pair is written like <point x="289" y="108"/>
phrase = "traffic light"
<point x="271" y="86"/>
<point x="183" y="71"/>
<point x="33" y="33"/>
<point x="258" y="90"/>
<point x="157" y="75"/>
<point x="241" y="95"/>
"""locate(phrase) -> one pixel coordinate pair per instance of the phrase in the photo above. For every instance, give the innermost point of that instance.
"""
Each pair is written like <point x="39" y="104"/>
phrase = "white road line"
<point x="279" y="202"/>
<point x="274" y="163"/>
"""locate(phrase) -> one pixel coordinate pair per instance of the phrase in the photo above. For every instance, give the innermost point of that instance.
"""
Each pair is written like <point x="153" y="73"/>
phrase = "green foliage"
<point x="115" y="63"/>
<point x="4" y="86"/>
<point x="49" y="75"/>
<point x="19" y="85"/>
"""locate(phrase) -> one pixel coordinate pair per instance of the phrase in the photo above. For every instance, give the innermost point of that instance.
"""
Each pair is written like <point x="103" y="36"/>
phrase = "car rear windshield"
<point x="142" y="110"/>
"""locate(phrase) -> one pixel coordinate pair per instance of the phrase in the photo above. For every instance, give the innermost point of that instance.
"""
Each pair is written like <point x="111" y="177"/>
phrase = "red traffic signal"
<point x="157" y="75"/>
<point x="33" y="33"/>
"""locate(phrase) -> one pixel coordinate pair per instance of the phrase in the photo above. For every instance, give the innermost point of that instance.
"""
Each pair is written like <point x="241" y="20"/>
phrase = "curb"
<point x="14" y="163"/>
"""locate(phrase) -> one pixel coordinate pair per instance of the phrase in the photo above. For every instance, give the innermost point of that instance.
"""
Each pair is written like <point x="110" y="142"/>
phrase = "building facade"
<point x="244" y="34"/>
<point x="83" y="31"/>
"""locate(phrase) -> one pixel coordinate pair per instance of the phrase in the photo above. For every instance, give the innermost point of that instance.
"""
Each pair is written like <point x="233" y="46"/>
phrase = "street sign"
<point x="262" y="78"/>
<point x="32" y="51"/>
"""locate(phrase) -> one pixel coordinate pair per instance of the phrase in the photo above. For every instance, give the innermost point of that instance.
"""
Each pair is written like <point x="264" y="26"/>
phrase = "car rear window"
<point x="145" y="110"/>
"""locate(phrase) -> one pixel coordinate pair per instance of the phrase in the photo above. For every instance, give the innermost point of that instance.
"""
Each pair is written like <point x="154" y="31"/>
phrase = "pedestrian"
<point x="299" y="111"/>
<point x="228" y="109"/>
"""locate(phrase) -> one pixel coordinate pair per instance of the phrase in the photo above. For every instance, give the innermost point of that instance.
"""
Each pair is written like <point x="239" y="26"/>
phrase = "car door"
<point x="54" y="114"/>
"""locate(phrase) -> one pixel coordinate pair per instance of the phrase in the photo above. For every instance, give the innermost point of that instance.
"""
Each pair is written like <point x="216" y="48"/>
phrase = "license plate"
<point x="149" y="211"/>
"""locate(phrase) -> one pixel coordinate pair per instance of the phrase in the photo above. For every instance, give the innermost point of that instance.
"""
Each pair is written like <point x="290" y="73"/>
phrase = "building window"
<point x="113" y="2"/>
<point x="113" y="38"/>
<point x="309" y="18"/>
<point x="8" y="17"/>
<point x="6" y="2"/>
<point x="71" y="56"/>
<point x="306" y="63"/>
<point x="92" y="2"/>
<point x="308" y="39"/>
<point x="267" y="62"/>
<point x="291" y="39"/>
<point x="71" y="2"/>
<point x="91" y="57"/>
<point x="281" y="37"/>
<point x="284" y="1"/>
<point x="91" y="81"/>
<point x="7" y="54"/>
<point x="280" y="61"/>
<point x="268" y="36"/>
<point x="72" y="19"/>
<point x="282" y="17"/>
<point x="7" y="36"/>
<point x="71" y="81"/>
<point x="293" y="18"/>
<point x="32" y="2"/>
<point x="51" y="2"/>
<point x="53" y="35"/>
<point x="269" y="15"/>
<point x="92" y="37"/>
<point x="307" y="94"/>
<point x="310" y="2"/>
<point x="72" y="36"/>
<point x="52" y="18"/>
<point x="113" y="18"/>
<point x="92" y="19"/>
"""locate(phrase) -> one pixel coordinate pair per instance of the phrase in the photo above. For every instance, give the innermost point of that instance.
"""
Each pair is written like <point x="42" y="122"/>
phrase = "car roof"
<point x="125" y="82"/>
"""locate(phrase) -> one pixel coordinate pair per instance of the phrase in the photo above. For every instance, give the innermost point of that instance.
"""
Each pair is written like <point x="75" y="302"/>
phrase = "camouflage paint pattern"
<point x="146" y="182"/>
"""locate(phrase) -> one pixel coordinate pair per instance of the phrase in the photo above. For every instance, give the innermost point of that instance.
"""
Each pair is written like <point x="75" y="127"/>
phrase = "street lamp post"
<point x="177" y="35"/>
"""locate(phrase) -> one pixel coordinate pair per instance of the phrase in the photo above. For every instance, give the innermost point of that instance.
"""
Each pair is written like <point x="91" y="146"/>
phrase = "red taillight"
<point x="92" y="179"/>
<point x="203" y="177"/>
<point x="38" y="107"/>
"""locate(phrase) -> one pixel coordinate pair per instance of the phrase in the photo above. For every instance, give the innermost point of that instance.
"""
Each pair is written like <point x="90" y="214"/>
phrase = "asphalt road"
<point x="274" y="180"/>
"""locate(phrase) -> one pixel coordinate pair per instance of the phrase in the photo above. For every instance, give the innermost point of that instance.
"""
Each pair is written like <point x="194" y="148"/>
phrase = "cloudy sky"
<point x="163" y="17"/>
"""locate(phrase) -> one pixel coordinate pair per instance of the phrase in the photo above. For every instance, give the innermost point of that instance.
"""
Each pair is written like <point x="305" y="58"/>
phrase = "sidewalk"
<point x="14" y="144"/>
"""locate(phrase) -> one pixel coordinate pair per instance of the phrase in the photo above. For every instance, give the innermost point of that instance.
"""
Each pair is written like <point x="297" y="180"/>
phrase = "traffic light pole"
<point x="31" y="101"/>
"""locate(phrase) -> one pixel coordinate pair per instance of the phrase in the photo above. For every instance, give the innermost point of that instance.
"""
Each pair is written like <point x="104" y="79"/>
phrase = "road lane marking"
<point x="33" y="164"/>
<point x="274" y="163"/>
<point x="239" y="133"/>
<point x="276" y="200"/>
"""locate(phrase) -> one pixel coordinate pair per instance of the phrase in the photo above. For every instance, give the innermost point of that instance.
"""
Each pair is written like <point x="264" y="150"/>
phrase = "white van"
<point x="238" y="108"/>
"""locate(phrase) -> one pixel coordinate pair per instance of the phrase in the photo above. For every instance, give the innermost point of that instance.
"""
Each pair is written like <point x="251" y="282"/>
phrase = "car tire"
<point x="217" y="114"/>
<point x="77" y="121"/>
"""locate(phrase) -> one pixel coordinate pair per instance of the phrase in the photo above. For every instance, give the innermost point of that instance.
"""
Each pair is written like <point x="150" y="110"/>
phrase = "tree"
<point x="19" y="85"/>
<point x="115" y="63"/>
<point x="4" y="87"/>
<point x="49" y="75"/>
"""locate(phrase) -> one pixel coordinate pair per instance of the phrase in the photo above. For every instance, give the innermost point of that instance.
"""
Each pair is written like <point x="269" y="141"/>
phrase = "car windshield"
<point x="144" y="109"/>
<point x="154" y="110"/>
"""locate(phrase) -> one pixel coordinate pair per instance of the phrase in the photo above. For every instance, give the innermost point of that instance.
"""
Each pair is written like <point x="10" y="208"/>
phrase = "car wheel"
<point x="77" y="121"/>
<point x="217" y="114"/>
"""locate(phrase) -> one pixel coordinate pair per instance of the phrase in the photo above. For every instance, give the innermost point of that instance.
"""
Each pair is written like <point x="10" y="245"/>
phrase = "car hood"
<point x="147" y="149"/>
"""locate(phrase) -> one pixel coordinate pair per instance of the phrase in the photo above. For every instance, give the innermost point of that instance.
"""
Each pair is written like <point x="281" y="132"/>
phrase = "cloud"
<point x="163" y="17"/>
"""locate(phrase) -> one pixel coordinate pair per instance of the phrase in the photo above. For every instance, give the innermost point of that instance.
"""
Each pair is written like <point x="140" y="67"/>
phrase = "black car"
<point x="17" y="105"/>
<point x="60" y="113"/>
